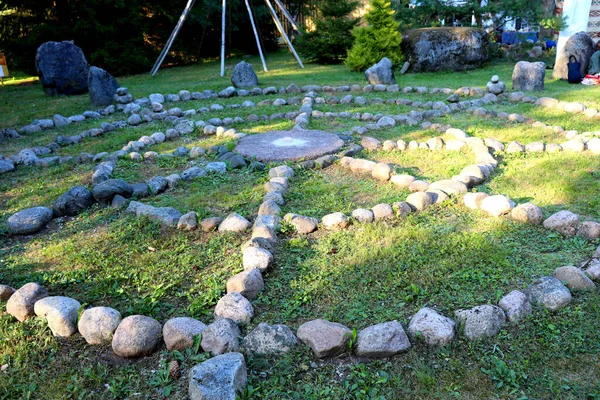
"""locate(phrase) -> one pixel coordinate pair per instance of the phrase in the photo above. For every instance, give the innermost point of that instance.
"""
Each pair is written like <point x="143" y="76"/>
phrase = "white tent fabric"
<point x="576" y="13"/>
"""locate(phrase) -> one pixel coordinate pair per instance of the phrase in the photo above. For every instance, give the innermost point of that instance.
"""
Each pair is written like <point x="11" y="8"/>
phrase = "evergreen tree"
<point x="330" y="41"/>
<point x="381" y="38"/>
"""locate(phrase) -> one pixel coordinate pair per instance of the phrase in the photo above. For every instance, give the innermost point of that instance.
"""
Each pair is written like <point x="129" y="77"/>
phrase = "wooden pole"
<point x="167" y="47"/>
<point x="223" y="39"/>
<point x="282" y="32"/>
<point x="288" y="16"/>
<point x="262" y="57"/>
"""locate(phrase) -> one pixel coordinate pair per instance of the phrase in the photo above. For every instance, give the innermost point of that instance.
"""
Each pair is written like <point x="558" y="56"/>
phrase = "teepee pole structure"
<point x="282" y="32"/>
<point x="262" y="57"/>
<point x="189" y="6"/>
<point x="288" y="16"/>
<point x="223" y="39"/>
<point x="167" y="47"/>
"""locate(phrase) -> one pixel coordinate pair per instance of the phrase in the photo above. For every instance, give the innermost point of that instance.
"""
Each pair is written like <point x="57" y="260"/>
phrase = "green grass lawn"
<point x="447" y="257"/>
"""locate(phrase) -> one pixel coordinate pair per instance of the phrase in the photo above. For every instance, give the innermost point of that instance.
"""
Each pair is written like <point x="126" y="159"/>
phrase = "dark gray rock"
<point x="74" y="201"/>
<point x="244" y="76"/>
<point x="579" y="45"/>
<point x="157" y="184"/>
<point x="102" y="86"/>
<point x="221" y="378"/>
<point x="105" y="191"/>
<point x="62" y="68"/>
<point x="140" y="190"/>
<point x="30" y="220"/>
<point x="529" y="76"/>
<point x="448" y="48"/>
<point x="381" y="73"/>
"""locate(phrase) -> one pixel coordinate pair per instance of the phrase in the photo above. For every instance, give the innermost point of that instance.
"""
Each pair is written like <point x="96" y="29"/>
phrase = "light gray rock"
<point x="179" y="333"/>
<point x="270" y="339"/>
<point x="381" y="73"/>
<point x="589" y="230"/>
<point x="402" y="181"/>
<point x="303" y="225"/>
<point x="136" y="336"/>
<point x="30" y="220"/>
<point x="282" y="171"/>
<point x="496" y="205"/>
<point x="248" y="283"/>
<point x="167" y="216"/>
<point x="528" y="213"/>
<point x="363" y="215"/>
<point x="574" y="278"/>
<point x="60" y="312"/>
<point x="481" y="321"/>
<point x="528" y="76"/>
<point x="382" y="340"/>
<point x="188" y="222"/>
<point x="419" y="200"/>
<point x="257" y="258"/>
<point x="193" y="173"/>
<point x="564" y="222"/>
<point x="223" y="377"/>
<point x="515" y="305"/>
<point x="382" y="211"/>
<point x="432" y="328"/>
<point x="326" y="339"/>
<point x="157" y="184"/>
<point x="21" y="304"/>
<point x="335" y="221"/>
<point x="220" y="337"/>
<point x="210" y="224"/>
<point x="235" y="307"/>
<point x="450" y="187"/>
<point x="98" y="324"/>
<point x="549" y="292"/>
<point x="381" y="172"/>
<point x="234" y="223"/>
<point x="217" y="167"/>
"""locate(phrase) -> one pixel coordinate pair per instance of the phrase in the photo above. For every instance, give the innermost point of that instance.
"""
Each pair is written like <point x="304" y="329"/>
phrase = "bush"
<point x="381" y="38"/>
<point x="330" y="41"/>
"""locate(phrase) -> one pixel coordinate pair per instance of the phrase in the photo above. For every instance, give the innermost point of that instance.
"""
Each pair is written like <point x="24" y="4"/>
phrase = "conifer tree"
<point x="330" y="41"/>
<point x="380" y="38"/>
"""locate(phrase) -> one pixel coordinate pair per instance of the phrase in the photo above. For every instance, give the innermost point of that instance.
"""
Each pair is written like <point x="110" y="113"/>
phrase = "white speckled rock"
<point x="432" y="328"/>
<point x="60" y="312"/>
<point x="516" y="306"/>
<point x="382" y="340"/>
<point x="235" y="307"/>
<point x="179" y="332"/>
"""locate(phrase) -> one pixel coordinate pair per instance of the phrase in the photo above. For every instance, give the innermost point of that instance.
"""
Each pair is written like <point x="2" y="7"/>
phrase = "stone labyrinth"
<point x="225" y="374"/>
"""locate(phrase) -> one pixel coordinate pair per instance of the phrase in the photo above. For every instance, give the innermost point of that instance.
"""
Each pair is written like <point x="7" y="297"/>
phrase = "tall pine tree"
<point x="330" y="41"/>
<point x="381" y="38"/>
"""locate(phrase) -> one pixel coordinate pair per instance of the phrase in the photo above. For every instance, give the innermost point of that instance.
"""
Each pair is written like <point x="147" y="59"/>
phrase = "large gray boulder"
<point x="579" y="45"/>
<point x="528" y="76"/>
<point x="30" y="220"/>
<point x="244" y="76"/>
<point x="223" y="377"/>
<point x="102" y="86"/>
<point x="381" y="73"/>
<point x="456" y="49"/>
<point x="74" y="201"/>
<point x="62" y="68"/>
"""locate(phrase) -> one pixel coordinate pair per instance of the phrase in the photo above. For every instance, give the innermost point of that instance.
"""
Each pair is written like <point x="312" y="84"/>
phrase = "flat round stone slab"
<point x="291" y="145"/>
